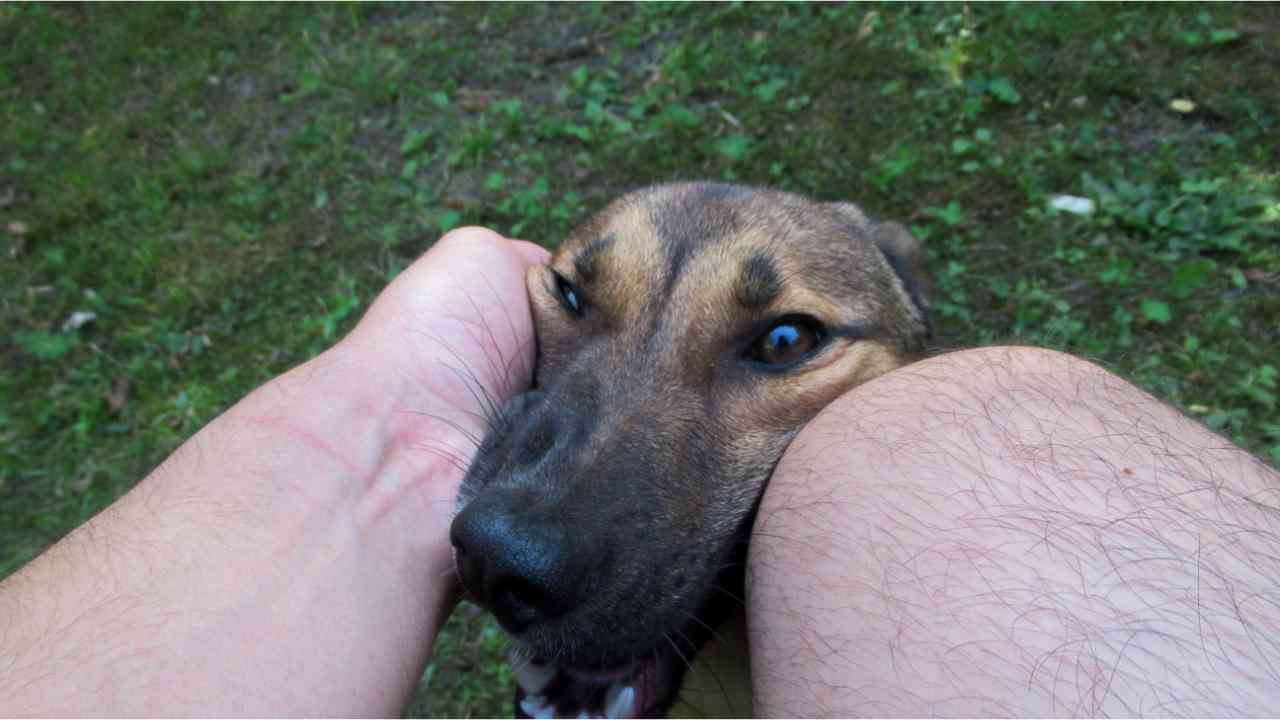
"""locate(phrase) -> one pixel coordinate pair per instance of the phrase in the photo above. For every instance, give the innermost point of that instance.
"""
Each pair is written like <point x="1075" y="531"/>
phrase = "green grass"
<point x="226" y="187"/>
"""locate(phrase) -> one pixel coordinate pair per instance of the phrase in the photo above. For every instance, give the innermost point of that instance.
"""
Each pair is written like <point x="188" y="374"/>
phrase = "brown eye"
<point x="788" y="341"/>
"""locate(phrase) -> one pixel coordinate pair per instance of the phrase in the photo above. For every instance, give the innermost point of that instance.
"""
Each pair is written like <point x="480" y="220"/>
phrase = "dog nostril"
<point x="456" y="539"/>
<point x="517" y="604"/>
<point x="470" y="571"/>
<point x="520" y="596"/>
<point x="521" y="568"/>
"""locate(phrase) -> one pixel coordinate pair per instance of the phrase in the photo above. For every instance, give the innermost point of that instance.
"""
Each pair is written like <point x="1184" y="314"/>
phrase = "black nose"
<point x="521" y="567"/>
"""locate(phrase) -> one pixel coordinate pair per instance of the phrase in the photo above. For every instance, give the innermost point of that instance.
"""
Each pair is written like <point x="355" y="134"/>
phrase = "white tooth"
<point x="533" y="677"/>
<point x="533" y="705"/>
<point x="546" y="713"/>
<point x="619" y="702"/>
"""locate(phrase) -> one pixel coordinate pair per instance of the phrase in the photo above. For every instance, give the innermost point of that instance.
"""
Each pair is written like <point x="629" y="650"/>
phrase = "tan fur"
<point x="656" y="418"/>
<point x="626" y="290"/>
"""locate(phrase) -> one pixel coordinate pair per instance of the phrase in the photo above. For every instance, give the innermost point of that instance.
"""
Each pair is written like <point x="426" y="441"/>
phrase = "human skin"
<point x="1010" y="532"/>
<point x="291" y="558"/>
<point x="1014" y="532"/>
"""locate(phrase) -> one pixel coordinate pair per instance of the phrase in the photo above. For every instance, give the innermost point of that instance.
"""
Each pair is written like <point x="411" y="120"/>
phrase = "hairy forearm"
<point x="1016" y="533"/>
<point x="293" y="557"/>
<point x="246" y="574"/>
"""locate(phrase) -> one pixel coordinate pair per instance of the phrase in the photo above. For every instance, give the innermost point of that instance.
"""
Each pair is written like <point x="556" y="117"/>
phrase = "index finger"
<point x="532" y="253"/>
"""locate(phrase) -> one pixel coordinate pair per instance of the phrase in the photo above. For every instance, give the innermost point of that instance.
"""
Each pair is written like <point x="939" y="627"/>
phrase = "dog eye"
<point x="568" y="294"/>
<point x="788" y="341"/>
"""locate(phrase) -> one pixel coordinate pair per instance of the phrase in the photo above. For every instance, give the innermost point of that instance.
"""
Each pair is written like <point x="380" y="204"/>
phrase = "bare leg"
<point x="1015" y="532"/>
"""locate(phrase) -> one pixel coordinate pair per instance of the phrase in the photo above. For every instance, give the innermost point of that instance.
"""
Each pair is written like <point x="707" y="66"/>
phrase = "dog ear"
<point x="906" y="257"/>
<point x="901" y="250"/>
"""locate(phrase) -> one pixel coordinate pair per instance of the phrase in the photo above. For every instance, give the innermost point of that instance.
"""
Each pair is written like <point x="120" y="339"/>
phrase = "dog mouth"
<point x="545" y="689"/>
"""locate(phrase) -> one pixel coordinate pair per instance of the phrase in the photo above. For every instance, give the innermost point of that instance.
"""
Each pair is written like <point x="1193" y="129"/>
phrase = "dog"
<point x="685" y="335"/>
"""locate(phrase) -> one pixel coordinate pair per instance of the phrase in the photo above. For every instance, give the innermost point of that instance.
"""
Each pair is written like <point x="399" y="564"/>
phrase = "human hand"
<point x="292" y="558"/>
<point x="406" y="397"/>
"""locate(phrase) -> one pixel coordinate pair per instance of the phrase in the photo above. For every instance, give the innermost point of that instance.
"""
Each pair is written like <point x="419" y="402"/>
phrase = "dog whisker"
<point x="724" y="692"/>
<point x="480" y="393"/>
<point x="511" y="326"/>
<point x="443" y="450"/>
<point x="444" y="453"/>
<point x="488" y="405"/>
<point x="736" y="598"/>
<point x="500" y="366"/>
<point x="483" y="322"/>
<point x="698" y="620"/>
<point x="688" y="665"/>
<point x="685" y="638"/>
<point x="509" y="373"/>
<point x="467" y="434"/>
<point x="495" y="361"/>
<point x="473" y="386"/>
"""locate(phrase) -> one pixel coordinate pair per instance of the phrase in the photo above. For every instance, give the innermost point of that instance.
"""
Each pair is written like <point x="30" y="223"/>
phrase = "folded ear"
<point x="906" y="257"/>
<point x="901" y="250"/>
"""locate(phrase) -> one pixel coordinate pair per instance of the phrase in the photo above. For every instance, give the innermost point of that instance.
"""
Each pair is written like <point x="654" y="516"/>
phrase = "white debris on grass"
<point x="1073" y="204"/>
<point x="79" y="319"/>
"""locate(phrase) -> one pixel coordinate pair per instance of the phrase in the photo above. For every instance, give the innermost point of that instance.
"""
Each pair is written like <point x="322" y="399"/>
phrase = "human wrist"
<point x="251" y="569"/>
<point x="346" y="432"/>
<point x="380" y="428"/>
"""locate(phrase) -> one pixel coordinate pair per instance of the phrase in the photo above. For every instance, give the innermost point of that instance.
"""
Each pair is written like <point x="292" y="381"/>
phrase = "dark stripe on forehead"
<point x="759" y="282"/>
<point x="677" y="256"/>
<point x="688" y="218"/>
<point x="587" y="262"/>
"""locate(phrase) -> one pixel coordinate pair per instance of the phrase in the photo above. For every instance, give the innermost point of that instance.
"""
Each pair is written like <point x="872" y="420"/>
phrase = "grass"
<point x="226" y="187"/>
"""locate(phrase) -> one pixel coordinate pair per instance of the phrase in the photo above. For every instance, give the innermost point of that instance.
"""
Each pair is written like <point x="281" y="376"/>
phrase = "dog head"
<point x="686" y="333"/>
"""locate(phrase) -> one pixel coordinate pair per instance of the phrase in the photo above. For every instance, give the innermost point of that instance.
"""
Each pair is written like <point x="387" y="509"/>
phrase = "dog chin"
<point x="641" y="689"/>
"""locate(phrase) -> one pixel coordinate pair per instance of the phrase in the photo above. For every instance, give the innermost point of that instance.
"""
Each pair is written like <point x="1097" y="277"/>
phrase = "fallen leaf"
<point x="1182" y="105"/>
<point x="17" y="227"/>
